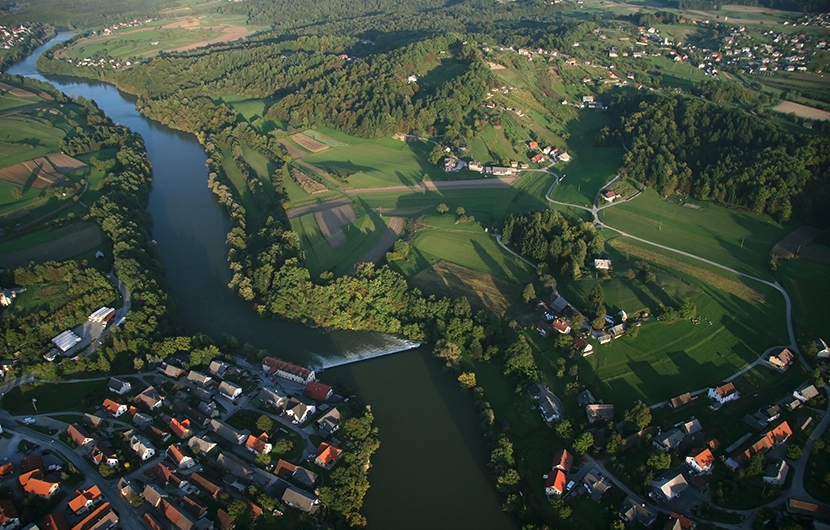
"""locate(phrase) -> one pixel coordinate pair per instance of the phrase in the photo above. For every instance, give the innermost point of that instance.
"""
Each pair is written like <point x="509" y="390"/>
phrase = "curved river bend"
<point x="429" y="471"/>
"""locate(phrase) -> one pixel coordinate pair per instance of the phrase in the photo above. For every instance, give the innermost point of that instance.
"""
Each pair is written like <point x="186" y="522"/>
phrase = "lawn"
<point x="668" y="359"/>
<point x="591" y="167"/>
<point x="379" y="163"/>
<point x="806" y="283"/>
<point x="249" y="108"/>
<point x="81" y="397"/>
<point x="25" y="136"/>
<point x="43" y="235"/>
<point x="735" y="239"/>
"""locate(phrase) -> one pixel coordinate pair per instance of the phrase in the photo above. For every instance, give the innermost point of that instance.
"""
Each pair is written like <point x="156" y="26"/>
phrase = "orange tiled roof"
<point x="704" y="458"/>
<point x="556" y="481"/>
<point x="180" y="428"/>
<point x="33" y="482"/>
<point x="725" y="390"/>
<point x="7" y="511"/>
<point x="780" y="433"/>
<point x="6" y="469"/>
<point x="93" y="517"/>
<point x="111" y="406"/>
<point x="54" y="521"/>
<point x="81" y="500"/>
<point x="562" y="460"/>
<point x="176" y="453"/>
<point x="257" y="443"/>
<point x="328" y="453"/>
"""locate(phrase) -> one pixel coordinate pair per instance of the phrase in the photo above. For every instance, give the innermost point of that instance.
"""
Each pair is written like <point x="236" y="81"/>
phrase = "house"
<point x="617" y="331"/>
<point x="701" y="461"/>
<point x="822" y="349"/>
<point x="669" y="440"/>
<point x="805" y="393"/>
<point x="140" y="445"/>
<point x="258" y="444"/>
<point x="286" y="370"/>
<point x="724" y="393"/>
<point x="53" y="521"/>
<point x="209" y="409"/>
<point x="543" y="328"/>
<point x="179" y="518"/>
<point x="197" y="418"/>
<point x="533" y="145"/>
<point x="31" y="463"/>
<point x="549" y="405"/>
<point x="670" y="486"/>
<point x="679" y="522"/>
<point x="229" y="390"/>
<point x="171" y="371"/>
<point x="317" y="391"/>
<point x="223" y="521"/>
<point x="780" y="433"/>
<point x="610" y="195"/>
<point x="175" y="453"/>
<point x="558" y="303"/>
<point x="561" y="326"/>
<point x="118" y="386"/>
<point x="691" y="426"/>
<point x="775" y="436"/>
<point x="33" y="483"/>
<point x="582" y="346"/>
<point x="150" y="399"/>
<point x="562" y="460"/>
<point x="101" y="518"/>
<point x="537" y="158"/>
<point x="807" y="509"/>
<point x="180" y="428"/>
<point x="301" y="500"/>
<point x="596" y="485"/>
<point x="555" y="483"/>
<point x="329" y="422"/>
<point x="599" y="412"/>
<point x="201" y="445"/>
<point x="194" y="507"/>
<point x="164" y="472"/>
<point x="300" y="474"/>
<point x="632" y="512"/>
<point x="775" y="473"/>
<point x="9" y="517"/>
<point x="227" y="432"/>
<point x="782" y="360"/>
<point x="198" y="377"/>
<point x="328" y="455"/>
<point x="206" y="485"/>
<point x="79" y="435"/>
<point x="273" y="397"/>
<point x="114" y="409"/>
<point x="299" y="410"/>
<point x="153" y="494"/>
<point x="126" y="488"/>
<point x="154" y="433"/>
<point x="104" y="454"/>
<point x="681" y="401"/>
<point x="235" y="467"/>
<point x="218" y="367"/>
<point x="602" y="264"/>
<point x="204" y="394"/>
<point x="85" y="500"/>
<point x="6" y="470"/>
<point x="564" y="157"/>
<point x="585" y="398"/>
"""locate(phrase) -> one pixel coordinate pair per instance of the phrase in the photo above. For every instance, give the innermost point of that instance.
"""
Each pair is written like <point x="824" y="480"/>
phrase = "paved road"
<point x="429" y="185"/>
<point x="797" y="490"/>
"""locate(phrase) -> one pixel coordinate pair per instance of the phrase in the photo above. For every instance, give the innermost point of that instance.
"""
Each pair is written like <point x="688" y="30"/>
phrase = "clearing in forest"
<point x="482" y="290"/>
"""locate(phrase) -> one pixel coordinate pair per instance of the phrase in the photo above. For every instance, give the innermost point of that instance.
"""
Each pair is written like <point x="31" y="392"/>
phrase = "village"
<point x="168" y="449"/>
<point x="11" y="36"/>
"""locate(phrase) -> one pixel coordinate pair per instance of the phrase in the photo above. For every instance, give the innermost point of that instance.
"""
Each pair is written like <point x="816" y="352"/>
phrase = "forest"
<point x="722" y="154"/>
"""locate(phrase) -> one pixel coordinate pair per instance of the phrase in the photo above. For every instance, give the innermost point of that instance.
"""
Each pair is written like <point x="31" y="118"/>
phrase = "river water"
<point x="429" y="471"/>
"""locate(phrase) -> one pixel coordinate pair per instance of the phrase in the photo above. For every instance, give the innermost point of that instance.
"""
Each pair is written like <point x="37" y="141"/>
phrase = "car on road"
<point x="55" y="467"/>
<point x="30" y="420"/>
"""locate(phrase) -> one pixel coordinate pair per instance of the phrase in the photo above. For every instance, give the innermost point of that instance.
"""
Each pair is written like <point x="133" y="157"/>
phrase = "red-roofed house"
<point x="782" y="360"/>
<point x="113" y="408"/>
<point x="79" y="435"/>
<point x="54" y="521"/>
<point x="286" y="370"/>
<point x="328" y="455"/>
<point x="6" y="470"/>
<point x="780" y="434"/>
<point x="104" y="453"/>
<point x="179" y="458"/>
<point x="609" y="195"/>
<point x="561" y="326"/>
<point x="537" y="158"/>
<point x="724" y="393"/>
<point x="33" y="483"/>
<point x="102" y="517"/>
<point x="85" y="500"/>
<point x="180" y="428"/>
<point x="562" y="460"/>
<point x="533" y="145"/>
<point x="318" y="391"/>
<point x="701" y="461"/>
<point x="555" y="485"/>
<point x="8" y="515"/>
<point x="258" y="444"/>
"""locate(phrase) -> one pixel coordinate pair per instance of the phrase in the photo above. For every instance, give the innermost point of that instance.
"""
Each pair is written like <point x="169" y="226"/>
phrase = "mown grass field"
<point x="668" y="359"/>
<point x="81" y="397"/>
<point x="591" y="167"/>
<point x="808" y="285"/>
<point x="25" y="136"/>
<point x="738" y="240"/>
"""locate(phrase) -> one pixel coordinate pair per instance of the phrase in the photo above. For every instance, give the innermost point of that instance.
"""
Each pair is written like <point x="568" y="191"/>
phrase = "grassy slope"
<point x="806" y="282"/>
<point x="712" y="232"/>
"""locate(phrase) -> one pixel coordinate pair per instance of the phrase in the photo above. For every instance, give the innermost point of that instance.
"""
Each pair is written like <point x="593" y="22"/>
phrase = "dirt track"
<point x="319" y="207"/>
<point x="442" y="185"/>
<point x="331" y="223"/>
<point x="393" y="230"/>
<point x="60" y="249"/>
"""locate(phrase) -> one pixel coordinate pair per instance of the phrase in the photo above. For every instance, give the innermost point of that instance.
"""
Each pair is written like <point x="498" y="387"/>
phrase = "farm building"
<point x="66" y="340"/>
<point x="103" y="314"/>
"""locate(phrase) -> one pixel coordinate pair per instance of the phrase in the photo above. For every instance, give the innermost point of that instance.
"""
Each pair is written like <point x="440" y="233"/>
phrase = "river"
<point x="429" y="471"/>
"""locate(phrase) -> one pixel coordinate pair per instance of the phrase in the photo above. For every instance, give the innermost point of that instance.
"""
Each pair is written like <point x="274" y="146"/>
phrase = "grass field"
<point x="25" y="136"/>
<point x="738" y="240"/>
<point x="591" y="167"/>
<point x="379" y="163"/>
<point x="82" y="397"/>
<point x="808" y="286"/>
<point x="668" y="359"/>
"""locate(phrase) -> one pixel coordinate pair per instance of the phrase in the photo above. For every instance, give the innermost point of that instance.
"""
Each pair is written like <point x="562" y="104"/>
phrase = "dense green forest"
<point x="722" y="154"/>
<point x="550" y="238"/>
<point x="787" y="5"/>
<point x="78" y="14"/>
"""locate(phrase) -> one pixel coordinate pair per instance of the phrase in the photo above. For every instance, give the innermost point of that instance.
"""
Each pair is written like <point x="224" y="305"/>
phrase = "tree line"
<point x="722" y="154"/>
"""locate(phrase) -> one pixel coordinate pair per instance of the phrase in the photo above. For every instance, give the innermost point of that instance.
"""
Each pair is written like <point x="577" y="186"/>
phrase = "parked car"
<point x="30" y="420"/>
<point x="55" y="467"/>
